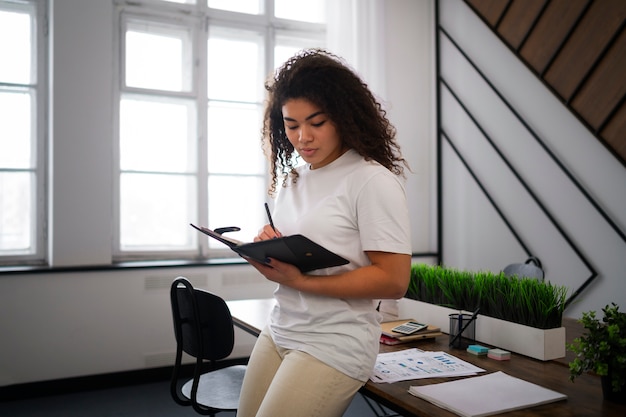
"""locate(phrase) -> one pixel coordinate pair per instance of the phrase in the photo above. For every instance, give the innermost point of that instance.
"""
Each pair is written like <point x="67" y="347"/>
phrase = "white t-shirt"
<point x="349" y="206"/>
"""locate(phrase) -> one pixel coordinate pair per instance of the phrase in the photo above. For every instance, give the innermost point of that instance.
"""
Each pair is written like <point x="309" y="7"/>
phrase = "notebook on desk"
<point x="486" y="395"/>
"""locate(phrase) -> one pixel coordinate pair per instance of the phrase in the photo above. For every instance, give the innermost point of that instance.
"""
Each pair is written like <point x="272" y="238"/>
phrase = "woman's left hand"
<point x="279" y="272"/>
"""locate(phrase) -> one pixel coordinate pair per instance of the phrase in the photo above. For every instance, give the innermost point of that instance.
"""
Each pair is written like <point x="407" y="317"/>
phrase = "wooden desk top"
<point x="584" y="395"/>
<point x="251" y="315"/>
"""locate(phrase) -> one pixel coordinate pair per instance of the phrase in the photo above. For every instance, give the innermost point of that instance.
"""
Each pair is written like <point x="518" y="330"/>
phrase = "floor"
<point x="146" y="400"/>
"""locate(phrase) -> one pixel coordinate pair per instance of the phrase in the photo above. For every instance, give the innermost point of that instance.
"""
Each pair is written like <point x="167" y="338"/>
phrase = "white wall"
<point x="70" y="324"/>
<point x="66" y="324"/>
<point x="410" y="74"/>
<point x="475" y="238"/>
<point x="81" y="132"/>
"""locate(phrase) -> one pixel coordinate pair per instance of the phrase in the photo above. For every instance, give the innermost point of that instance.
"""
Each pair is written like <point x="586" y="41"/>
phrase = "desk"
<point x="584" y="396"/>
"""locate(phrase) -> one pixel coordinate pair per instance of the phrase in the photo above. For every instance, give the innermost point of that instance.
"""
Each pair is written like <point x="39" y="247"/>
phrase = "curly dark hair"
<point x="328" y="82"/>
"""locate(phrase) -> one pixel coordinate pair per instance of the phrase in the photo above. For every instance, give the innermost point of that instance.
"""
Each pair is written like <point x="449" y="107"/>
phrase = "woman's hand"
<point x="279" y="272"/>
<point x="266" y="233"/>
<point x="274" y="270"/>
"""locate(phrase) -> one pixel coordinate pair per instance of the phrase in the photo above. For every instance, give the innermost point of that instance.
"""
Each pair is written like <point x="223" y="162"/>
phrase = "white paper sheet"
<point x="416" y="364"/>
<point x="486" y="395"/>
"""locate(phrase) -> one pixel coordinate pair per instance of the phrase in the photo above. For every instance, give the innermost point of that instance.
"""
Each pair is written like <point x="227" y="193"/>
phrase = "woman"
<point x="322" y="339"/>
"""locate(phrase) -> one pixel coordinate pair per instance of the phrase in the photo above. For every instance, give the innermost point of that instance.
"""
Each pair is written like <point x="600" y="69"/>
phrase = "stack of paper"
<point x="486" y="395"/>
<point x="417" y="364"/>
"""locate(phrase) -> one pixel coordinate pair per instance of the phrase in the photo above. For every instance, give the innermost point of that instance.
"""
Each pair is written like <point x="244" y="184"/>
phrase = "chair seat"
<point x="218" y="389"/>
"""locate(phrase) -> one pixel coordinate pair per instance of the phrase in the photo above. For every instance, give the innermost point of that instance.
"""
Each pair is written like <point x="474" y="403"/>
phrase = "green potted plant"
<point x="602" y="349"/>
<point x="522" y="315"/>
<point x="526" y="301"/>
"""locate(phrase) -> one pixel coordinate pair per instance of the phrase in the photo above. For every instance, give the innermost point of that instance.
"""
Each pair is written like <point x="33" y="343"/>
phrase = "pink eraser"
<point x="498" y="358"/>
<point x="499" y="354"/>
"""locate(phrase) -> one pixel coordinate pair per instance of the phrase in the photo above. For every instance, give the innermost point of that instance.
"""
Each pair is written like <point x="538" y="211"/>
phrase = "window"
<point x="22" y="116"/>
<point x="189" y="120"/>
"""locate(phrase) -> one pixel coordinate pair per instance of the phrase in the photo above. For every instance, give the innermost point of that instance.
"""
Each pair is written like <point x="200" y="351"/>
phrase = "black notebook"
<point x="297" y="250"/>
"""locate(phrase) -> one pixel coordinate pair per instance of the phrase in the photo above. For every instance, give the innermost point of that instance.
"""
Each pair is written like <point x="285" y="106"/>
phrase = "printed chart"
<point x="417" y="364"/>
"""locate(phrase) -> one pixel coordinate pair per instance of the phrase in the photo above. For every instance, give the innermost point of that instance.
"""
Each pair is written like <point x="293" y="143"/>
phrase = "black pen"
<point x="269" y="217"/>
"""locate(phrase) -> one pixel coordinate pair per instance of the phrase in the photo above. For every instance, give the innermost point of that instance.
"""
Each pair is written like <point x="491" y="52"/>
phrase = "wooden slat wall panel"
<point x="551" y="30"/>
<point x="615" y="131"/>
<point x="605" y="87"/>
<point x="490" y="10"/>
<point x="585" y="45"/>
<point x="518" y="21"/>
<point x="578" y="48"/>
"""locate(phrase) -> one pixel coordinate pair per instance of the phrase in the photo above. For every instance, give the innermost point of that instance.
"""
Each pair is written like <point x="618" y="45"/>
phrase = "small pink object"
<point x="499" y="354"/>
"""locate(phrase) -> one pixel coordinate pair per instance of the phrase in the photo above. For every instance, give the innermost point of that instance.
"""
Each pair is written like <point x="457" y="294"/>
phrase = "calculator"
<point x="409" y="327"/>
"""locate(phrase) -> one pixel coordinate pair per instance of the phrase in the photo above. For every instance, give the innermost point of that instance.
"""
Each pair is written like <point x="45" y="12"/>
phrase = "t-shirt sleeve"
<point x="382" y="215"/>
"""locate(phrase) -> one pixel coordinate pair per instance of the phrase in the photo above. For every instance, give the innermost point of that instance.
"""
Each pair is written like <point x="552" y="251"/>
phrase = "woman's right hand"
<point x="266" y="233"/>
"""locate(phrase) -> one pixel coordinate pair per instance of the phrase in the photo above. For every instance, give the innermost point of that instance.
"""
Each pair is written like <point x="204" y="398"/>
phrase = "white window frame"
<point x="200" y="18"/>
<point x="39" y="129"/>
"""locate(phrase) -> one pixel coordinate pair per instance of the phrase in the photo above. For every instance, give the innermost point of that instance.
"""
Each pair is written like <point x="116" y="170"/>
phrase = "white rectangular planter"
<point x="529" y="341"/>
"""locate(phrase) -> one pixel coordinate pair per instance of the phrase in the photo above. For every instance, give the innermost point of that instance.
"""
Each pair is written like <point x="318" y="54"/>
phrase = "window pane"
<point x="236" y="201"/>
<point x="283" y="53"/>
<point x="156" y="211"/>
<point x="313" y="11"/>
<point x="288" y="43"/>
<point x="15" y="129"/>
<point x="158" y="57"/>
<point x="234" y="144"/>
<point x="157" y="135"/>
<point x="163" y="153"/>
<point x="241" y="6"/>
<point x="16" y="43"/>
<point x="17" y="191"/>
<point x="235" y="66"/>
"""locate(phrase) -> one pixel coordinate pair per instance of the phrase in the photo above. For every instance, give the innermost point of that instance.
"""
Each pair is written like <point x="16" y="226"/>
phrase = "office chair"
<point x="203" y="328"/>
<point x="525" y="270"/>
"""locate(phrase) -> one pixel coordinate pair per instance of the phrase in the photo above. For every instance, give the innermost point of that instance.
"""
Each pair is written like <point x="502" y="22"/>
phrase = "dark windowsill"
<point x="180" y="263"/>
<point x="147" y="264"/>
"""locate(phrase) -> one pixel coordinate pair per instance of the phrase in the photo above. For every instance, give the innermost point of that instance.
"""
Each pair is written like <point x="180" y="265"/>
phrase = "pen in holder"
<point x="462" y="330"/>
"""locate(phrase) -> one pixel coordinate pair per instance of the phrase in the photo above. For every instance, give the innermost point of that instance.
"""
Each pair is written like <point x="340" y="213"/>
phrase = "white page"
<point x="486" y="395"/>
<point x="413" y="364"/>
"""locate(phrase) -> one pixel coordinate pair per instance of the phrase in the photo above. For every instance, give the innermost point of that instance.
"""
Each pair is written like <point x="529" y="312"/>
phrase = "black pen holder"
<point x="463" y="324"/>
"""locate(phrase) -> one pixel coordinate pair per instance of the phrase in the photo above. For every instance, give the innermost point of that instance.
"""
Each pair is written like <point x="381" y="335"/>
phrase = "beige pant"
<point x="290" y="383"/>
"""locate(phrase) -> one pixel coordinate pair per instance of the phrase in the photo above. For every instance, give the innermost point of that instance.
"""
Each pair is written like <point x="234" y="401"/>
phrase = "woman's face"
<point x="311" y="132"/>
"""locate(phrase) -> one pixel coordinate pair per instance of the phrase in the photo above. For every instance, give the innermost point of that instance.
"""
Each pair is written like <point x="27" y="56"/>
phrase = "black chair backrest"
<point x="203" y="325"/>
